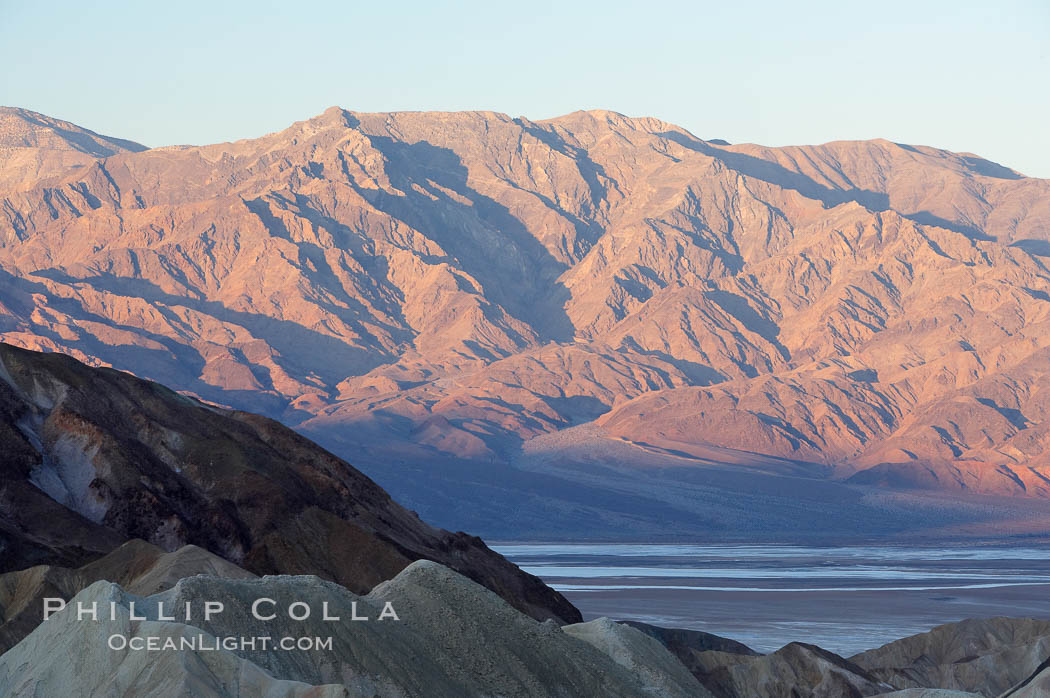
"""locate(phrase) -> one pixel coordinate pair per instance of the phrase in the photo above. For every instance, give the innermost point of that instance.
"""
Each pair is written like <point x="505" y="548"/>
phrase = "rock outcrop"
<point x="659" y="671"/>
<point x="1035" y="686"/>
<point x="94" y="457"/>
<point x="451" y="637"/>
<point x="65" y="657"/>
<point x="703" y="654"/>
<point x="796" y="669"/>
<point x="985" y="655"/>
<point x="137" y="566"/>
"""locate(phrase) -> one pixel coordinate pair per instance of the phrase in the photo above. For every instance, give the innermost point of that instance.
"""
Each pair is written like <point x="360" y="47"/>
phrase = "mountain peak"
<point x="22" y="128"/>
<point x="427" y="287"/>
<point x="35" y="146"/>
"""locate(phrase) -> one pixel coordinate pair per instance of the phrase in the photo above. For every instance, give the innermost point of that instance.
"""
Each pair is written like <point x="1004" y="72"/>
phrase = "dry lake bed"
<point x="845" y="599"/>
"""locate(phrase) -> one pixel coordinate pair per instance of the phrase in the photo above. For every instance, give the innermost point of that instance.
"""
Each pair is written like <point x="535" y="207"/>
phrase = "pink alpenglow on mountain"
<point x="592" y="321"/>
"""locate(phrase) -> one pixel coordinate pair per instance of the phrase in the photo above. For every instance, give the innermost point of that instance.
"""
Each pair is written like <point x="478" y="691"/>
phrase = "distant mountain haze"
<point x="594" y="323"/>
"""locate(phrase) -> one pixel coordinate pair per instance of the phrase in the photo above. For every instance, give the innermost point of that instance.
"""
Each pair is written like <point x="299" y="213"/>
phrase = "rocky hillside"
<point x="452" y="638"/>
<point x="139" y="567"/>
<point x="437" y="295"/>
<point x="984" y="656"/>
<point x="94" y="457"/>
<point x="34" y="147"/>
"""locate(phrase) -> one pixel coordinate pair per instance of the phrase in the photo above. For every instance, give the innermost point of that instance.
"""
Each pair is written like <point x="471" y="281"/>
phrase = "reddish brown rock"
<point x="102" y="457"/>
<point x="433" y="286"/>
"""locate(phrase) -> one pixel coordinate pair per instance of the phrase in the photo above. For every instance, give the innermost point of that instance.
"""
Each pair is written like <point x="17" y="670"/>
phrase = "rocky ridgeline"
<point x="95" y="457"/>
<point x="423" y="292"/>
<point x="452" y="637"/>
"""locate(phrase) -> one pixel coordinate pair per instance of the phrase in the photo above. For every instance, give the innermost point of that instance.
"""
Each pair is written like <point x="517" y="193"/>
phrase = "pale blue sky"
<point x="970" y="76"/>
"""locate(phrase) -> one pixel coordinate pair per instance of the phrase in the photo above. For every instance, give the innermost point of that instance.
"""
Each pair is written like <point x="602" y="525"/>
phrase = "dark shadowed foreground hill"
<point x="90" y="458"/>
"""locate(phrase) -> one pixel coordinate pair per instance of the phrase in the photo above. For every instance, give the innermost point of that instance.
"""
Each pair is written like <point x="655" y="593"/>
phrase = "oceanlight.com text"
<point x="207" y="643"/>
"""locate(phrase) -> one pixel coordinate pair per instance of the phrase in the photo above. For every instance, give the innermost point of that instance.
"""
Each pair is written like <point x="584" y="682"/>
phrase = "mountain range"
<point x="588" y="326"/>
<point x="93" y="461"/>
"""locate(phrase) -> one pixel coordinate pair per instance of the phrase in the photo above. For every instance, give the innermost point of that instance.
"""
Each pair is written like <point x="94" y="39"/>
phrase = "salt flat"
<point x="845" y="599"/>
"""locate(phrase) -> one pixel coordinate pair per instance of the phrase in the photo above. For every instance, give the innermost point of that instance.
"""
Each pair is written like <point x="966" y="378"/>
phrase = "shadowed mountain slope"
<point x="428" y="294"/>
<point x="93" y="457"/>
<point x="139" y="567"/>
